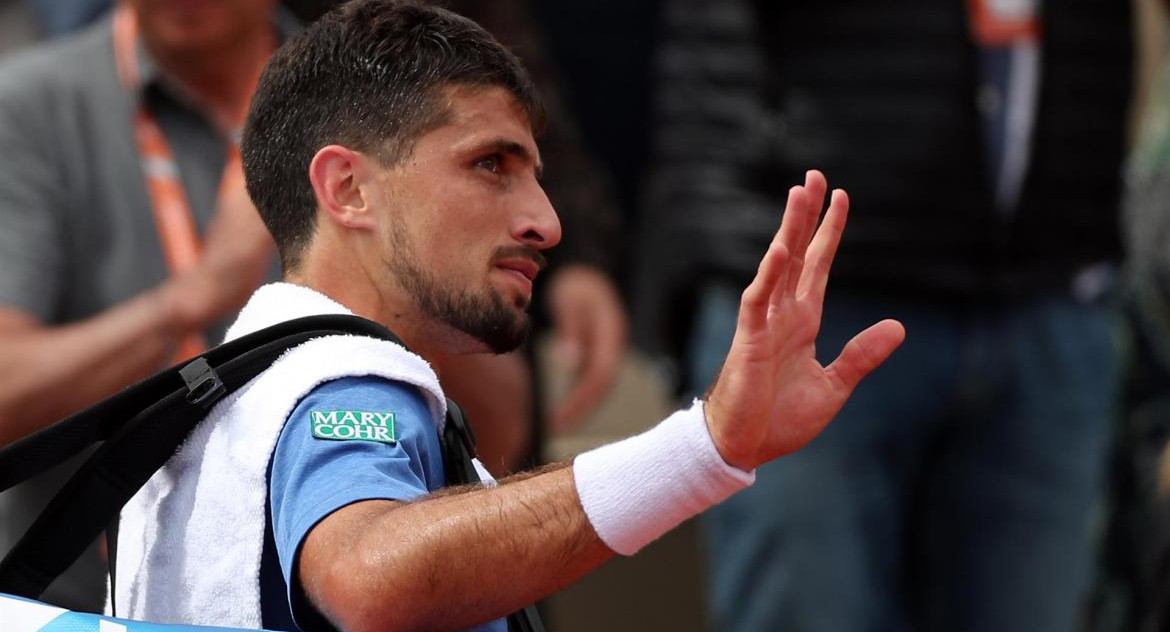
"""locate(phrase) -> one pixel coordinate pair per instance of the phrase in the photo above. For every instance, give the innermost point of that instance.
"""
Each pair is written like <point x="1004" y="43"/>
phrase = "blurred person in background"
<point x="981" y="143"/>
<point x="61" y="17"/>
<point x="126" y="234"/>
<point x="1132" y="591"/>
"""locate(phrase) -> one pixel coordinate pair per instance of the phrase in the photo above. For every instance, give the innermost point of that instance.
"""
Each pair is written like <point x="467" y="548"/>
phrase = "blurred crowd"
<point x="1008" y="168"/>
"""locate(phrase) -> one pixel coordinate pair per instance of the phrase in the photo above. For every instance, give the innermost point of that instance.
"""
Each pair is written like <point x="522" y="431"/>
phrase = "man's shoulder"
<point x="350" y="415"/>
<point x="368" y="390"/>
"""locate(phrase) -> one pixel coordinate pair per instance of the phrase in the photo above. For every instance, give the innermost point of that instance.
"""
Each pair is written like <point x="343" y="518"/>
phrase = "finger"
<point x="757" y="298"/>
<point x="864" y="353"/>
<point x="810" y="210"/>
<point x="792" y="227"/>
<point x="815" y="186"/>
<point x="823" y="249"/>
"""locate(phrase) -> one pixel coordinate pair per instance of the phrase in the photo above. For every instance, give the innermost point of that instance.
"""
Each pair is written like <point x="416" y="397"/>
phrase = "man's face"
<point x="198" y="27"/>
<point x="467" y="219"/>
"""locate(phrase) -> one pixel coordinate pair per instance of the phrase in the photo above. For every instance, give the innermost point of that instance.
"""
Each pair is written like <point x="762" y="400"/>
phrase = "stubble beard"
<point x="485" y="316"/>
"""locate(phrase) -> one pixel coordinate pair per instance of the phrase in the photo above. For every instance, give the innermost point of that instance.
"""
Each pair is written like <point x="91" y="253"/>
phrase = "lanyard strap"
<point x="174" y="220"/>
<point x="996" y="23"/>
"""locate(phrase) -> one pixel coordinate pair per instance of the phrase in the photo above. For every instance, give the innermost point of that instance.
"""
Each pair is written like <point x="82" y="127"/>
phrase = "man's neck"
<point x="434" y="342"/>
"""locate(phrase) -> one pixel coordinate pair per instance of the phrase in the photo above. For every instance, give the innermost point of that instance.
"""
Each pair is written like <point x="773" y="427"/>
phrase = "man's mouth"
<point x="524" y="260"/>
<point x="521" y="263"/>
<point x="525" y="267"/>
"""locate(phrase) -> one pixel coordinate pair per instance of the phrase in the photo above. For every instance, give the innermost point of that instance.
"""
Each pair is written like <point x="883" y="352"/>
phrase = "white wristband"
<point x="637" y="489"/>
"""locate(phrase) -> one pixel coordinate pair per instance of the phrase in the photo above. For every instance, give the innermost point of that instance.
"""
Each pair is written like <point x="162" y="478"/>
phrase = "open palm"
<point x="772" y="396"/>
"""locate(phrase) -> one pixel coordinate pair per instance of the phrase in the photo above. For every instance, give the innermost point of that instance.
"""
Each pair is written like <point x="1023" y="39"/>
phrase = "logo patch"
<point x="353" y="425"/>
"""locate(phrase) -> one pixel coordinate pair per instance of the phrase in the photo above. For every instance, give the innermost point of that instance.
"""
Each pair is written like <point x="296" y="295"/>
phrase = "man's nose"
<point x="537" y="223"/>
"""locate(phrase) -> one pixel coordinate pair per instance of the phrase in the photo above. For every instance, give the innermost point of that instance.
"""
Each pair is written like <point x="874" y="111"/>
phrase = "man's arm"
<point x="50" y="371"/>
<point x="462" y="558"/>
<point x="495" y="391"/>
<point x="457" y="559"/>
<point x="47" y="373"/>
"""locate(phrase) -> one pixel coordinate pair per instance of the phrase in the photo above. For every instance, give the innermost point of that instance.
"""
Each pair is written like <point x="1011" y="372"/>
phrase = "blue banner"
<point x="25" y="615"/>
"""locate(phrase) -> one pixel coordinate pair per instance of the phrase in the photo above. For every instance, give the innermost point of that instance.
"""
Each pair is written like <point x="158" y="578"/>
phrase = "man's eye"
<point x="490" y="163"/>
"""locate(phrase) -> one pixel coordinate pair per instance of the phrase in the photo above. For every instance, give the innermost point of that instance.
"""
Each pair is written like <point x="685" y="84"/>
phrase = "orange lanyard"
<point x="178" y="234"/>
<point x="996" y="23"/>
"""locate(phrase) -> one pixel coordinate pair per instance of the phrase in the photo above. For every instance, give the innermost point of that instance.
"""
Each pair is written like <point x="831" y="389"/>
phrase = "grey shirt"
<point x="77" y="233"/>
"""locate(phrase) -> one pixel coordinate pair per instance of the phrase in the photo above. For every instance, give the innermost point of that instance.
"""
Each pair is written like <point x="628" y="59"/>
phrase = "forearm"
<point x="459" y="558"/>
<point x="47" y="373"/>
<point x="469" y="555"/>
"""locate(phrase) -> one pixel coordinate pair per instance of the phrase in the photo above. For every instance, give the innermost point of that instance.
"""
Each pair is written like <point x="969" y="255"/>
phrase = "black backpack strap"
<point x="458" y="443"/>
<point x="143" y="427"/>
<point x="35" y="453"/>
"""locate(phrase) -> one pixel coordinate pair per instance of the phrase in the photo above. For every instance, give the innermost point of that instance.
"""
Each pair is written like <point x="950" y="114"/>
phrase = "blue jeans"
<point x="953" y="492"/>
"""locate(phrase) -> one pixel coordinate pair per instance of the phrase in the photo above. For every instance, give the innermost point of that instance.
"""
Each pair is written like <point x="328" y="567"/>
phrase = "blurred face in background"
<point x="194" y="27"/>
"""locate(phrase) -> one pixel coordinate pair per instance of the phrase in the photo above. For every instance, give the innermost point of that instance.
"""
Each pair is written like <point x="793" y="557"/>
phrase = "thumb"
<point x="864" y="353"/>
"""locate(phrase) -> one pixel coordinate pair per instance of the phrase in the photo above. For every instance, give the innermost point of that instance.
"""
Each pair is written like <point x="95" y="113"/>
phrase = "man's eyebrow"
<point x="513" y="148"/>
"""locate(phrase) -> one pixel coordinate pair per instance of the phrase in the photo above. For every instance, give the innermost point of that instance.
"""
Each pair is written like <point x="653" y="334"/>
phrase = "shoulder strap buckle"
<point x="204" y="387"/>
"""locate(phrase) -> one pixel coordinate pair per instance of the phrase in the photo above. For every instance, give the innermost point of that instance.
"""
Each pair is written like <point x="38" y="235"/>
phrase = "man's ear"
<point x="337" y="174"/>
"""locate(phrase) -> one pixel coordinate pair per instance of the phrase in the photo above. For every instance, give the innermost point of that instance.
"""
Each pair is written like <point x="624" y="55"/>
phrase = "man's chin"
<point x="521" y="302"/>
<point x="506" y="341"/>
<point x="500" y="324"/>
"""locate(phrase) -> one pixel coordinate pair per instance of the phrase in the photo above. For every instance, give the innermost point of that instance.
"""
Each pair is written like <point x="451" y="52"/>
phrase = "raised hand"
<point x="772" y="396"/>
<point x="590" y="327"/>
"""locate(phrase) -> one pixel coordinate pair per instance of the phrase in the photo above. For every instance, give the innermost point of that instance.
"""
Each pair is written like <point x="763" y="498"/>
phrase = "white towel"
<point x="190" y="541"/>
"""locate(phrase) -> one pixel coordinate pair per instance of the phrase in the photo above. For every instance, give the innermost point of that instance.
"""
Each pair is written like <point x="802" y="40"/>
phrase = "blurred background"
<point x="1008" y="164"/>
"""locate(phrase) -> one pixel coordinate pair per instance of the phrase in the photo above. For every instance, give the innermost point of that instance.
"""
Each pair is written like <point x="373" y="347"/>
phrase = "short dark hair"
<point x="369" y="75"/>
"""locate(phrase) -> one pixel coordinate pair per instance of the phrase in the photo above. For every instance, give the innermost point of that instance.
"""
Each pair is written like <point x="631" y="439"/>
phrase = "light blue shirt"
<point x="311" y="476"/>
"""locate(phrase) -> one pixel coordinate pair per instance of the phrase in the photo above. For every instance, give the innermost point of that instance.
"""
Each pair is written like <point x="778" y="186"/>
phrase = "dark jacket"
<point x="881" y="96"/>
